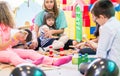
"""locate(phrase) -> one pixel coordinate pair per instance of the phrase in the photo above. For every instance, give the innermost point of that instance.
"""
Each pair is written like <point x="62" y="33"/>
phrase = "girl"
<point x="18" y="56"/>
<point x="61" y="24"/>
<point x="52" y="40"/>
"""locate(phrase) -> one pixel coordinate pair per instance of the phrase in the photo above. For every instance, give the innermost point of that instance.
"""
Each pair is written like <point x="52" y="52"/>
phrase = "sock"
<point x="38" y="61"/>
<point x="62" y="60"/>
<point x="63" y="39"/>
<point x="57" y="45"/>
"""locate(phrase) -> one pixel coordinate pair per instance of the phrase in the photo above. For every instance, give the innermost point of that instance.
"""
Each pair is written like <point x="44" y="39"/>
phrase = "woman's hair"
<point x="103" y="7"/>
<point x="96" y="33"/>
<point x="6" y="17"/>
<point x="55" y="8"/>
<point x="29" y="36"/>
<point x="48" y="16"/>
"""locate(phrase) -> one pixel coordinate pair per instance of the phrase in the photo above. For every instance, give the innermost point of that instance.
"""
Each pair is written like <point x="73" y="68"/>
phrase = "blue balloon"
<point x="102" y="67"/>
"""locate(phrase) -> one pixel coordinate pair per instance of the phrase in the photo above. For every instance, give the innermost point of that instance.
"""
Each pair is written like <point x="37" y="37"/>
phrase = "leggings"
<point x="66" y="47"/>
<point x="89" y="51"/>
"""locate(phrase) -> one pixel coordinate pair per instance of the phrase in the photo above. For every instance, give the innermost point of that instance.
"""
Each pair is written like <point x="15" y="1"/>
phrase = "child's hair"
<point x="55" y="9"/>
<point x="103" y="7"/>
<point x="48" y="16"/>
<point x="6" y="17"/>
<point x="29" y="36"/>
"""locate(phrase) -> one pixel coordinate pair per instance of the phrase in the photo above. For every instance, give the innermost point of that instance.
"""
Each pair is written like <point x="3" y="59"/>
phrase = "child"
<point x="24" y="37"/>
<point x="103" y="13"/>
<point x="51" y="40"/>
<point x="108" y="43"/>
<point x="18" y="56"/>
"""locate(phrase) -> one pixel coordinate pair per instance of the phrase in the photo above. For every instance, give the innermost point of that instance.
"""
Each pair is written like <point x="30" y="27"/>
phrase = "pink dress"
<point x="17" y="56"/>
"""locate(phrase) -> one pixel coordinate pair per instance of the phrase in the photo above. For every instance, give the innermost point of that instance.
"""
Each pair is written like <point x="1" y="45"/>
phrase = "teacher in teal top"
<point x="60" y="20"/>
<point x="61" y="23"/>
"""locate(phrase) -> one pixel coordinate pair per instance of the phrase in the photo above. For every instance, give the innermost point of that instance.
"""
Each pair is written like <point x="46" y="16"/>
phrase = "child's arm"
<point x="5" y="45"/>
<point x="92" y="45"/>
<point x="60" y="31"/>
<point x="88" y="43"/>
<point x="80" y="45"/>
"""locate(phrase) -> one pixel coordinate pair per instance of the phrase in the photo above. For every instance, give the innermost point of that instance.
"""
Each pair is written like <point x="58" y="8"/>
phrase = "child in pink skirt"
<point x="18" y="56"/>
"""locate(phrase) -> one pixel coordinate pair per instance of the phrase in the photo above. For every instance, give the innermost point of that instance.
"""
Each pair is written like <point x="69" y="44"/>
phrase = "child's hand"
<point x="91" y="44"/>
<point x="33" y="45"/>
<point x="26" y="46"/>
<point x="80" y="45"/>
<point x="48" y="34"/>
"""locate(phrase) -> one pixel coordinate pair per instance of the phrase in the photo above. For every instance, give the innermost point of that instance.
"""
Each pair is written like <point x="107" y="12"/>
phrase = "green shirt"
<point x="60" y="20"/>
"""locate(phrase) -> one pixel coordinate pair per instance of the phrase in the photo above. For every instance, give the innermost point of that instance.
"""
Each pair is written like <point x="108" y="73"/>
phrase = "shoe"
<point x="38" y="61"/>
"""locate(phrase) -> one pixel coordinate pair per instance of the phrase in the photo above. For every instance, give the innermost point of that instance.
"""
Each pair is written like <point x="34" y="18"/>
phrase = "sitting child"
<point x="54" y="41"/>
<point x="17" y="56"/>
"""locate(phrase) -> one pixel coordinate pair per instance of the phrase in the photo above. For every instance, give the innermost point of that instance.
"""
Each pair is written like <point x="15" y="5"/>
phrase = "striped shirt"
<point x="42" y="37"/>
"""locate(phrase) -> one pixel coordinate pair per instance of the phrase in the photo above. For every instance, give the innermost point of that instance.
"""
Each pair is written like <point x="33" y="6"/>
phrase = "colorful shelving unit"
<point x="80" y="19"/>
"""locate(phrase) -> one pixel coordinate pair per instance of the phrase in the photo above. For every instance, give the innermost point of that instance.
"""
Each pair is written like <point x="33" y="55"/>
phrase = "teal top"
<point x="60" y="20"/>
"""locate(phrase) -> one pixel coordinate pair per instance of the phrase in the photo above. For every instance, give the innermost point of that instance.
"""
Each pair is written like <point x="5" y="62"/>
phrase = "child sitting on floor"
<point x="54" y="41"/>
<point x="18" y="56"/>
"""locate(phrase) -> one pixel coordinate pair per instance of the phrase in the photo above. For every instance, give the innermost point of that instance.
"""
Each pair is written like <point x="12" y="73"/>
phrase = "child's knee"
<point x="64" y="39"/>
<point x="57" y="45"/>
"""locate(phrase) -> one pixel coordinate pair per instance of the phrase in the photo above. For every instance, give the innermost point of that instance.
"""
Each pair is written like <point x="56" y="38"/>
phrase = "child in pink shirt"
<point x="18" y="56"/>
